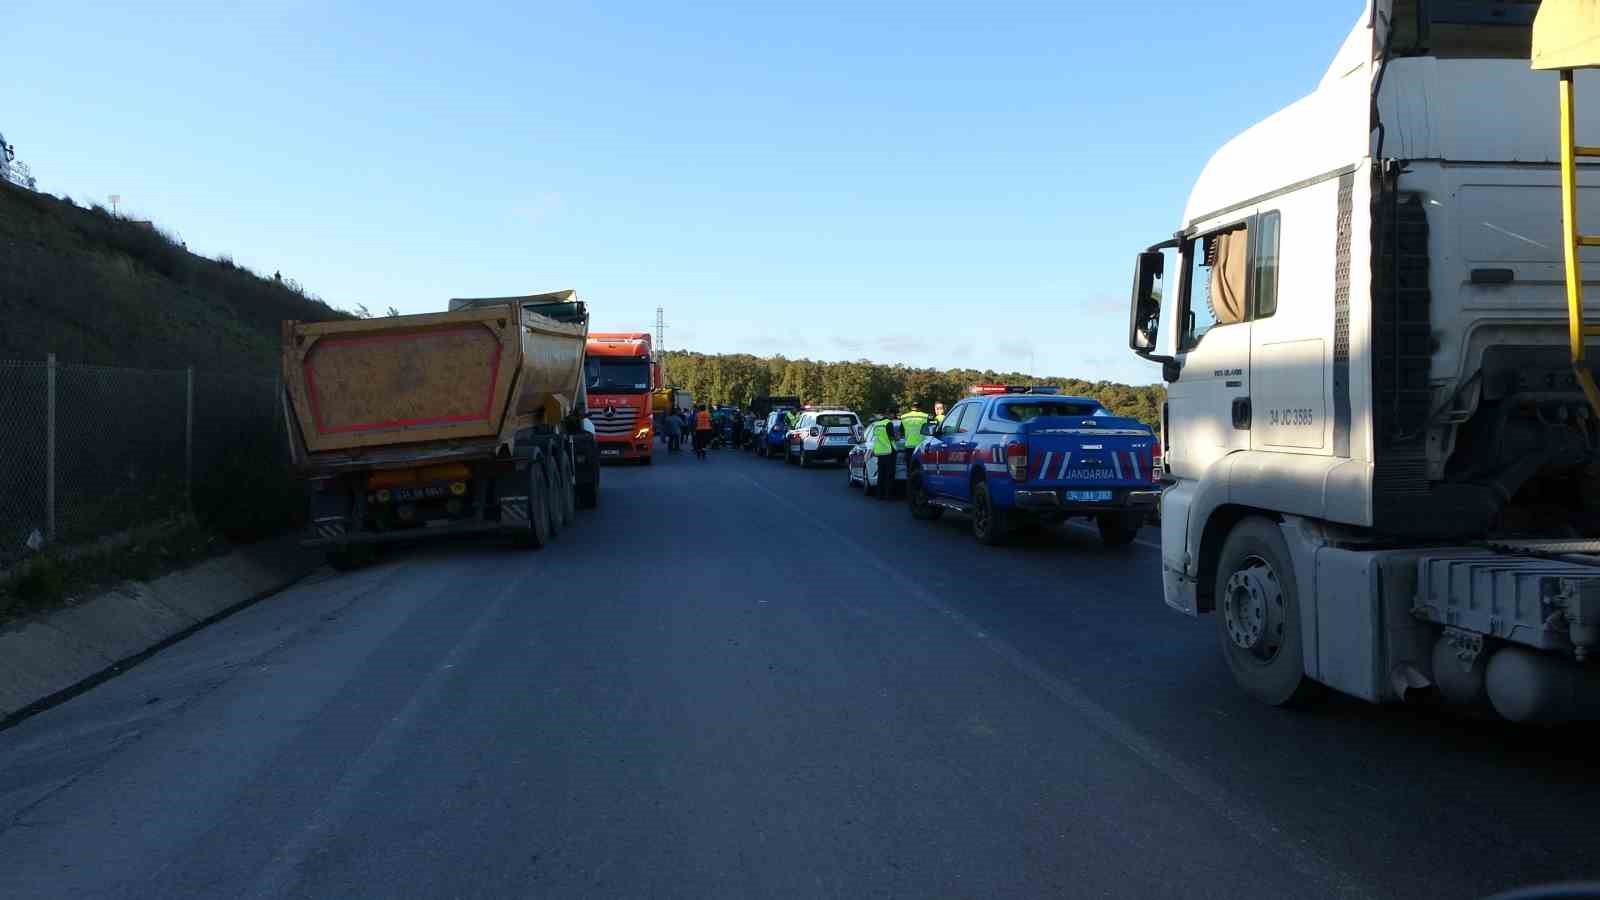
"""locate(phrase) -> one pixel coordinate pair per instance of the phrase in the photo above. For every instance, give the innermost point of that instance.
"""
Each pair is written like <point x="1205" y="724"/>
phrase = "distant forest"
<point x="870" y="388"/>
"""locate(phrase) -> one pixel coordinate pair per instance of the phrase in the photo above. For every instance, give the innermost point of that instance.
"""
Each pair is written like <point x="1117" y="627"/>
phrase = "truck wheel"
<point x="567" y="503"/>
<point x="1118" y="529"/>
<point x="988" y="521"/>
<point x="587" y="495"/>
<point x="552" y="493"/>
<point x="349" y="558"/>
<point x="536" y="533"/>
<point x="1258" y="615"/>
<point x="917" y="494"/>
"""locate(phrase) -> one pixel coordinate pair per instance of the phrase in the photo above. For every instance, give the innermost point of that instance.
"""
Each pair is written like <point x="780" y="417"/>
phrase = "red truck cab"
<point x="621" y="372"/>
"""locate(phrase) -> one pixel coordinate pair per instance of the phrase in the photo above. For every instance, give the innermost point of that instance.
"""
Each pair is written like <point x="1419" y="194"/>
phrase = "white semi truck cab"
<point x="1387" y="476"/>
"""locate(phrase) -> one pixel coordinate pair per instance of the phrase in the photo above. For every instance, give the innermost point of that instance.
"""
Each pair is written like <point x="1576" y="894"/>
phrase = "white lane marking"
<point x="1242" y="814"/>
<point x="1066" y="460"/>
<point x="1092" y="530"/>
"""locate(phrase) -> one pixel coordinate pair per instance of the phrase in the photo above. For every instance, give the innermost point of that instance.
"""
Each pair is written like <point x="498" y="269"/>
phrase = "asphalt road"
<point x="737" y="678"/>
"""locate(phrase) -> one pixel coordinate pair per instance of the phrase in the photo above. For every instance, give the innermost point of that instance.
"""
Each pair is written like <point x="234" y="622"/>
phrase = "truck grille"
<point x="614" y="421"/>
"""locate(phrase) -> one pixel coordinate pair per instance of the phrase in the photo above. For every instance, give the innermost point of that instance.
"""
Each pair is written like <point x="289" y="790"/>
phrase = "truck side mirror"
<point x="1144" y="309"/>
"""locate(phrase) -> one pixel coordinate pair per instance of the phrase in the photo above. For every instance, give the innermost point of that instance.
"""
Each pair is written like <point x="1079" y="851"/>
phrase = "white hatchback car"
<point x="825" y="434"/>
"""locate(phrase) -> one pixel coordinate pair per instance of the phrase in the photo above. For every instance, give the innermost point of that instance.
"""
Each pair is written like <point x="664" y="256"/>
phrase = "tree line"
<point x="871" y="388"/>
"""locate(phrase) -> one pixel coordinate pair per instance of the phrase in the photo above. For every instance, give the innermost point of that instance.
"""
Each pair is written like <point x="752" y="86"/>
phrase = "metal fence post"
<point x="50" y="449"/>
<point x="188" y="439"/>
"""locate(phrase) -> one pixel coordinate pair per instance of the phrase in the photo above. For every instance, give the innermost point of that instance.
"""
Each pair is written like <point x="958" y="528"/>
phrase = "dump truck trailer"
<point x="440" y="423"/>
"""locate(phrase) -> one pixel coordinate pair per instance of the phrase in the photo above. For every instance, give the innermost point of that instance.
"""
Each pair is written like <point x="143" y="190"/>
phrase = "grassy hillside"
<point x="93" y="288"/>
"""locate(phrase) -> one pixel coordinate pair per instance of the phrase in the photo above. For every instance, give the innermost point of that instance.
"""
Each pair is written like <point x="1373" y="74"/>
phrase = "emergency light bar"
<point x="987" y="389"/>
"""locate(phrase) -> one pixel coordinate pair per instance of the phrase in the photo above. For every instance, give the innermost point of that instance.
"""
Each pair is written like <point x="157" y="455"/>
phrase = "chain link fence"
<point x="90" y="451"/>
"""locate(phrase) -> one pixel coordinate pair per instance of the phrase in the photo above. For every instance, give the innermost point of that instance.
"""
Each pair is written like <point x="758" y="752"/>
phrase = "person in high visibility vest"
<point x="702" y="431"/>
<point x="791" y="418"/>
<point x="888" y="440"/>
<point x="938" y="414"/>
<point x="912" y="421"/>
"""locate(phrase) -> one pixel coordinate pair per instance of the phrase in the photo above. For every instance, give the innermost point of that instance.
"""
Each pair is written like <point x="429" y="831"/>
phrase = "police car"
<point x="1006" y="455"/>
<point x="823" y="435"/>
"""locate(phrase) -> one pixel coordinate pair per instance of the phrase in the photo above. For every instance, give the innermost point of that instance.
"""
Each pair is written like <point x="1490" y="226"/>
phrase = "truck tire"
<point x="1118" y="529"/>
<point x="552" y="493"/>
<point x="989" y="524"/>
<point x="567" y="502"/>
<point x="349" y="558"/>
<point x="587" y="495"/>
<point x="1258" y="615"/>
<point x="536" y="533"/>
<point x="917" y="496"/>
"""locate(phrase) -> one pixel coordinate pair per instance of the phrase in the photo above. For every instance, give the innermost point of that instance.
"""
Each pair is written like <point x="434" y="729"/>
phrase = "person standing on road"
<point x="885" y="449"/>
<point x="912" y="421"/>
<point x="938" y="414"/>
<point x="673" y="427"/>
<point x="702" y="431"/>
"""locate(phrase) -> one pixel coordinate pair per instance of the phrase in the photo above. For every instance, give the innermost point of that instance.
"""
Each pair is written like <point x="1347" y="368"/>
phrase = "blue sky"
<point x="934" y="184"/>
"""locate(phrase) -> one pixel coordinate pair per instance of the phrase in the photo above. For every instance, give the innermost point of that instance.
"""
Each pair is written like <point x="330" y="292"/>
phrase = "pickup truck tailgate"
<point x="1089" y="453"/>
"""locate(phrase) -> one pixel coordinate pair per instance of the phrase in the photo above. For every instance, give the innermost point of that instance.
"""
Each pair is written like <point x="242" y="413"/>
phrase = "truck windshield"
<point x="1026" y="412"/>
<point x="1463" y="29"/>
<point x="616" y="376"/>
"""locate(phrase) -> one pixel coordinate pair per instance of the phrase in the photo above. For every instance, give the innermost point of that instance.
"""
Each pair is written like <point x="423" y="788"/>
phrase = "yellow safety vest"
<point x="913" y="422"/>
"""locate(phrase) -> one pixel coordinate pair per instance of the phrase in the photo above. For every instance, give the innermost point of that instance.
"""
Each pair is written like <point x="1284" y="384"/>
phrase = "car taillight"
<point x="1017" y="461"/>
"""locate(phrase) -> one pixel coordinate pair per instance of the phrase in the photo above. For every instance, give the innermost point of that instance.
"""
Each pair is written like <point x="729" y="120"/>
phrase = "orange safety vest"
<point x="702" y="421"/>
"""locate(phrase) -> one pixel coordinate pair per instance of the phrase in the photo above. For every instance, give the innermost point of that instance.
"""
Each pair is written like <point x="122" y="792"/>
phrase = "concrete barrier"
<point x="49" y="657"/>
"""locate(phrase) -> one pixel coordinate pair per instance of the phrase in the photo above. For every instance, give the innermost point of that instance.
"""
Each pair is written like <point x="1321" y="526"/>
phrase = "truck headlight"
<point x="642" y="433"/>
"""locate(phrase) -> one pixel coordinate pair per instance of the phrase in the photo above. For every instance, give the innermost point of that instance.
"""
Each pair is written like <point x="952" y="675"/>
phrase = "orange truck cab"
<point x="621" y="372"/>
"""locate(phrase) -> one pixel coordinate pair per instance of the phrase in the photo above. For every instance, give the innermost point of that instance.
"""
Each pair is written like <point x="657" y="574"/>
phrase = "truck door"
<point x="1209" y="413"/>
<point x="962" y="450"/>
<point x="938" y="457"/>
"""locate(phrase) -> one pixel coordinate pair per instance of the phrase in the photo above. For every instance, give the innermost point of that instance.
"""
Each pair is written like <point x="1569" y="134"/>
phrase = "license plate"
<point x="839" y="440"/>
<point x="611" y="451"/>
<point x="419" y="493"/>
<point x="1089" y="496"/>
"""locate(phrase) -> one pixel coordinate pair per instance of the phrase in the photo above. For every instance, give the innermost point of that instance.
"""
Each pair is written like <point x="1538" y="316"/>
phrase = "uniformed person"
<point x="887" y="443"/>
<point x="912" y="421"/>
<point x="938" y="414"/>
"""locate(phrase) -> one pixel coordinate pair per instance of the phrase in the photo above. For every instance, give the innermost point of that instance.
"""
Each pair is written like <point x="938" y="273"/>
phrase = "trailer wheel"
<point x="564" y="491"/>
<point x="348" y="558"/>
<point x="537" y="532"/>
<point x="552" y="493"/>
<point x="1258" y="615"/>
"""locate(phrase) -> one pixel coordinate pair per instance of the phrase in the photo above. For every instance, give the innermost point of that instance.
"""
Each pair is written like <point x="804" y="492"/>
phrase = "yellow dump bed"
<point x="1566" y="34"/>
<point x="465" y="375"/>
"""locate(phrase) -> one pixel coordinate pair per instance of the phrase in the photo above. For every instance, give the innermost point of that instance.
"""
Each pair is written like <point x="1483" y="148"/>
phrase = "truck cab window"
<point x="1264" y="267"/>
<point x="1216" y="283"/>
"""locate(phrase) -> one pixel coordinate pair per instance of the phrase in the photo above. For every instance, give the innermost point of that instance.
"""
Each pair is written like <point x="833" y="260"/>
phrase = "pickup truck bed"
<point x="1009" y="459"/>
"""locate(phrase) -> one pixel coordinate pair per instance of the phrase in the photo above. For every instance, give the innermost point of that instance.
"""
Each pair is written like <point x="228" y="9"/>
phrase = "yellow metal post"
<point x="1572" y="241"/>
